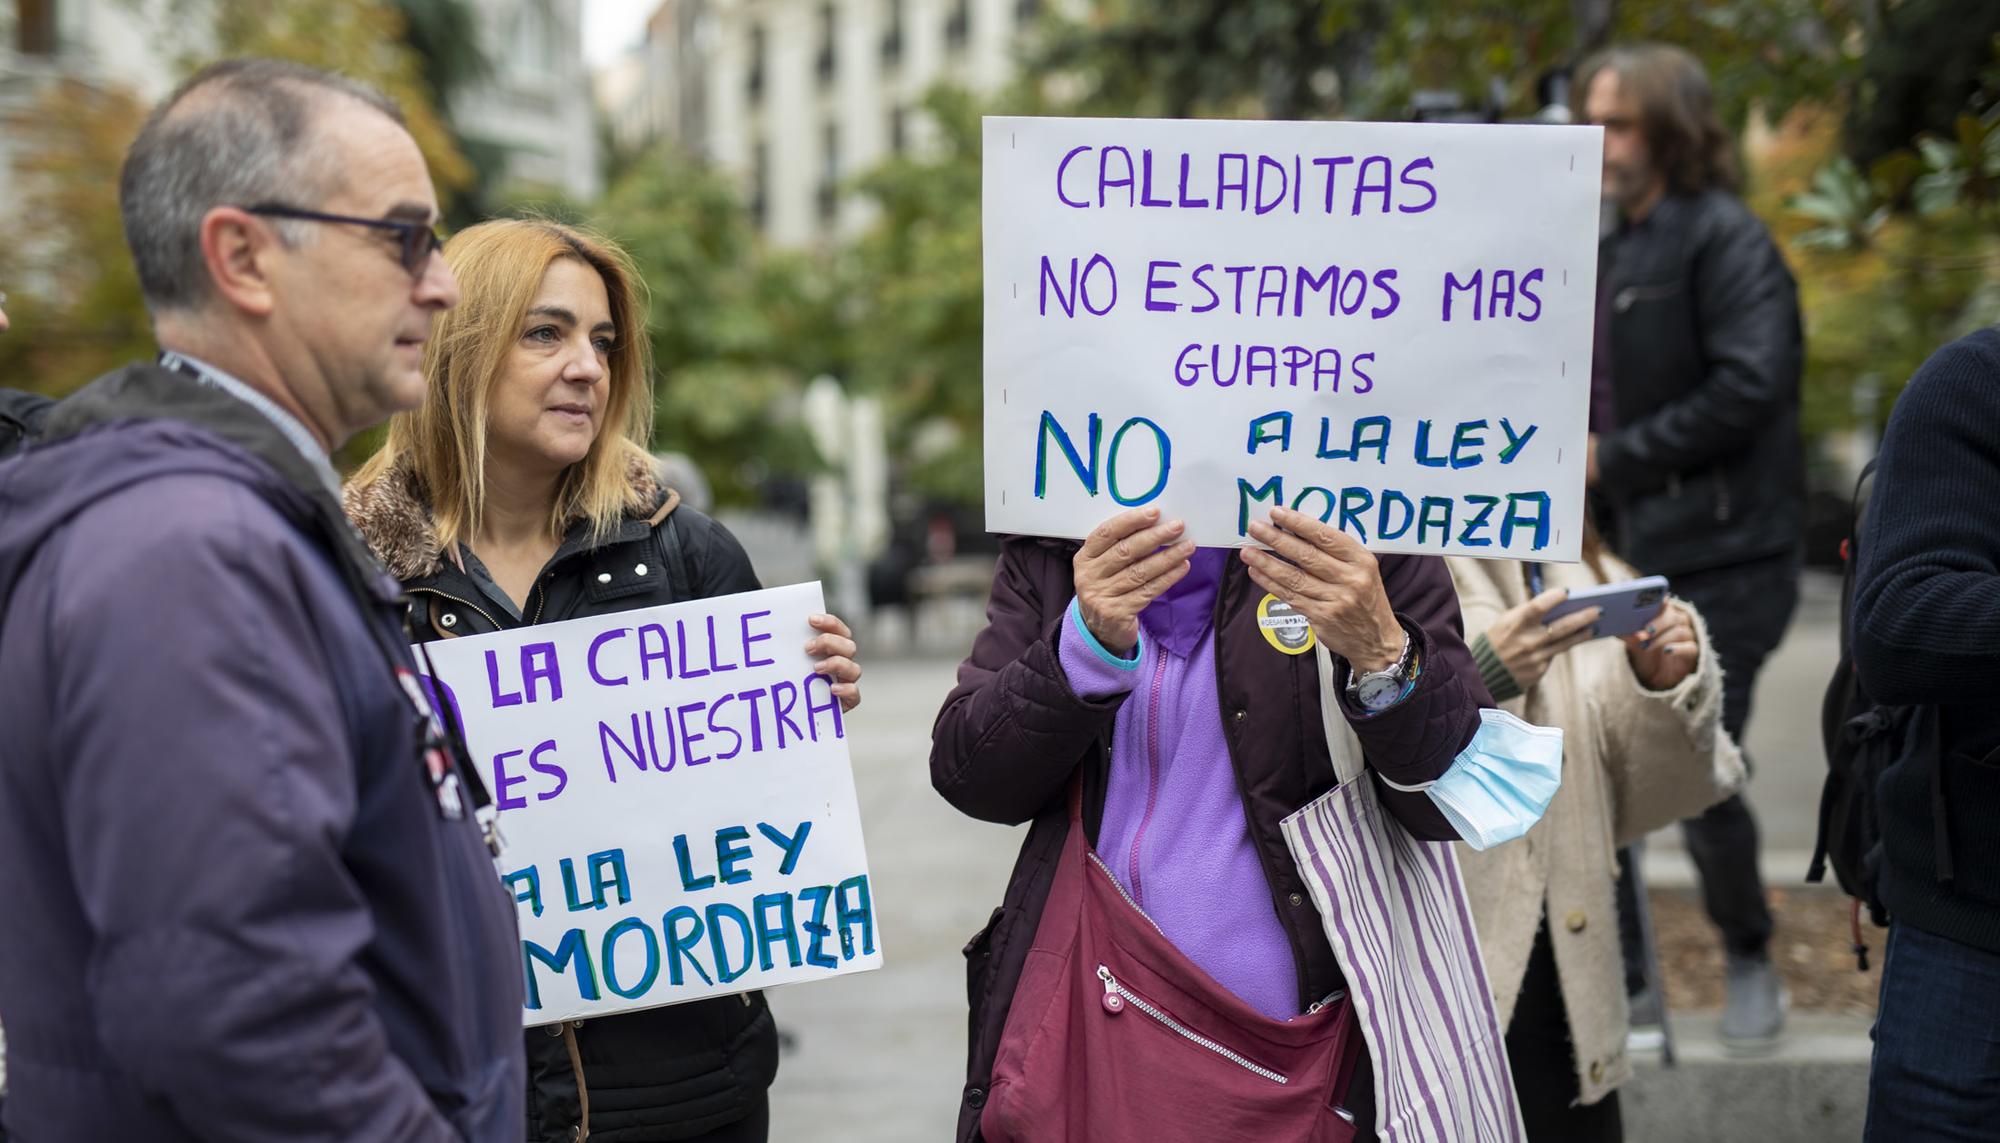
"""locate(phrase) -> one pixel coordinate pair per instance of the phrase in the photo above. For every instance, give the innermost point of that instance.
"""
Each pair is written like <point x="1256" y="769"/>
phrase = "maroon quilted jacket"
<point x="1012" y="733"/>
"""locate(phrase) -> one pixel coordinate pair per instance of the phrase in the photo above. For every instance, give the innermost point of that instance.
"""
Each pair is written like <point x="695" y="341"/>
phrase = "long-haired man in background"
<point x="1695" y="444"/>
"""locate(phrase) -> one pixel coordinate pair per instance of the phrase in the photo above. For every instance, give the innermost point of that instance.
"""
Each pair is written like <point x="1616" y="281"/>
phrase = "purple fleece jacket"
<point x="1174" y="832"/>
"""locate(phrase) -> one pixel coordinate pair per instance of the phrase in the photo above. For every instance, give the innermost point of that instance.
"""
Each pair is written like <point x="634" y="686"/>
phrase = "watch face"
<point x="1377" y="691"/>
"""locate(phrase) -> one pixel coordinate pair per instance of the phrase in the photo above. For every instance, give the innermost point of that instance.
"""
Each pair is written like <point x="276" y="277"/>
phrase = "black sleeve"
<point x="1926" y="616"/>
<point x="1013" y="730"/>
<point x="1419" y="738"/>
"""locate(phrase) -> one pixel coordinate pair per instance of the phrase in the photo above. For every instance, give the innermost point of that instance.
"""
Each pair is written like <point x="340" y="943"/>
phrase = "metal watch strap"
<point x="1398" y="670"/>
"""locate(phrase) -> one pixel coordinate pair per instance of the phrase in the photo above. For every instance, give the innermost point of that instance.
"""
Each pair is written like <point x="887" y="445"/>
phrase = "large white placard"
<point x="674" y="790"/>
<point x="1385" y="325"/>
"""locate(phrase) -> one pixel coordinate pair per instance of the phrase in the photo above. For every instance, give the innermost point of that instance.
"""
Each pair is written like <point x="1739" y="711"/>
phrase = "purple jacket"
<point x="235" y="909"/>
<point x="1174" y="834"/>
<point x="1014" y="732"/>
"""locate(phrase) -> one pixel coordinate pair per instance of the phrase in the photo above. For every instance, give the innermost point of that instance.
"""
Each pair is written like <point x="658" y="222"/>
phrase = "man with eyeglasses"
<point x="250" y="891"/>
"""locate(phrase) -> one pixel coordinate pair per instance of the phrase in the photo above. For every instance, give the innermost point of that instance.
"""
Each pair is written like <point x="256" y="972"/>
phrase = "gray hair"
<point x="238" y="133"/>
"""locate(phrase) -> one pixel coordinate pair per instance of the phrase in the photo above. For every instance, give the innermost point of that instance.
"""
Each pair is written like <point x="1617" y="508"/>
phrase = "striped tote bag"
<point x="1396" y="914"/>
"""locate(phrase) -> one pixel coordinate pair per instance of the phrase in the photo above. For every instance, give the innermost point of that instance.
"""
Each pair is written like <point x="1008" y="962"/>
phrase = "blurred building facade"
<point x="97" y="41"/>
<point x="535" y="107"/>
<point x="534" y="111"/>
<point x="795" y="97"/>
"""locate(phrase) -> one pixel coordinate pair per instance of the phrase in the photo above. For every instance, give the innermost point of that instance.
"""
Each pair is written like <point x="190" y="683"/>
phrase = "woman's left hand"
<point x="834" y="648"/>
<point x="1327" y="576"/>
<point x="1667" y="651"/>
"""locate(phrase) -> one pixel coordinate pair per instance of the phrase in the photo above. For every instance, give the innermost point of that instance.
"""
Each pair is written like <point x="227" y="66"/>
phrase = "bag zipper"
<point x="1099" y="862"/>
<point x="1117" y="996"/>
<point x="1335" y="997"/>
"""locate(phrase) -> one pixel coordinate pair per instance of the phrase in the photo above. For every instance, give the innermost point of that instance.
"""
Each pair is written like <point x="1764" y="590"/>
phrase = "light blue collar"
<point x="293" y="430"/>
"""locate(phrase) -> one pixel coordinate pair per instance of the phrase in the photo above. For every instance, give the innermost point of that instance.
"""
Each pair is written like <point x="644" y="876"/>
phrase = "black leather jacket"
<point x="1706" y="469"/>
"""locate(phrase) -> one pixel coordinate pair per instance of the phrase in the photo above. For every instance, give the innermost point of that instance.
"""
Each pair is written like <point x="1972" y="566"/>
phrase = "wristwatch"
<point x="1377" y="691"/>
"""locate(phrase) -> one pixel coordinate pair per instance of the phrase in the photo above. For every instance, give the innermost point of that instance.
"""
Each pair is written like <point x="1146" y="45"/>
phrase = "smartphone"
<point x="1628" y="606"/>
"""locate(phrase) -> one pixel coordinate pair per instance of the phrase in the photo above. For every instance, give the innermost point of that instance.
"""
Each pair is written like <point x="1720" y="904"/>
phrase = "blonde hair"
<point x="442" y="444"/>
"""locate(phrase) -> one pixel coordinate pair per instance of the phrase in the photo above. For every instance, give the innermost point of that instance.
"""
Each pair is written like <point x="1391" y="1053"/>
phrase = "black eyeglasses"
<point x="419" y="239"/>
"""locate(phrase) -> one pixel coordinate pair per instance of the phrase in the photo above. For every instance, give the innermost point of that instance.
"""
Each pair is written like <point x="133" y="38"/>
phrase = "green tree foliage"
<point x="1894" y="236"/>
<point x="1285" y="59"/>
<point x="1895" y="252"/>
<point x="365" y="39"/>
<point x="918" y="293"/>
<point x="1925" y="63"/>
<point x="736" y="332"/>
<point x="72" y="293"/>
<point x="1279" y="58"/>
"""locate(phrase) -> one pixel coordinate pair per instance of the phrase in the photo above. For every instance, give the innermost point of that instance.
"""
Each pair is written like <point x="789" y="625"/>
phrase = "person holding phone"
<point x="1643" y="747"/>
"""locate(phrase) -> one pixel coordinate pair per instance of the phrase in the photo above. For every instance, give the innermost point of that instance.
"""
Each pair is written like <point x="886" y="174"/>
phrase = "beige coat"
<point x="1634" y="760"/>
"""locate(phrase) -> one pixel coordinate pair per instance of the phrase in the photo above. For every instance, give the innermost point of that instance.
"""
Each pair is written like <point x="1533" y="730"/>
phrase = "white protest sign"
<point x="674" y="790"/>
<point x="1387" y="326"/>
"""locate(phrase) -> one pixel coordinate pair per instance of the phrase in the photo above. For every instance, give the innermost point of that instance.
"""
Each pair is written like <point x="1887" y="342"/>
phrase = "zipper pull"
<point x="1113" y="1003"/>
<point x="488" y="818"/>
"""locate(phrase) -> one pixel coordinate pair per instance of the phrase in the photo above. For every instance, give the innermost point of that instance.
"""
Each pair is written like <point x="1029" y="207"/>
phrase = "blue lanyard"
<point x="1534" y="580"/>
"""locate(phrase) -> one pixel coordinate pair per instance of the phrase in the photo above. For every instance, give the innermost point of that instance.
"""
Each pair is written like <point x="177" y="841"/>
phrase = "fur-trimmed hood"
<point x="393" y="514"/>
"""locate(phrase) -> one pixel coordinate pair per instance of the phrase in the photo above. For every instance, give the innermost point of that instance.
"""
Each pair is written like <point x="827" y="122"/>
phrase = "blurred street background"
<point x="799" y="182"/>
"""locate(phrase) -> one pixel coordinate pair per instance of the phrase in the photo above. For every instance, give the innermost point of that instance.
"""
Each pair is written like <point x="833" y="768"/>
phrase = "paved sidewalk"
<point x="1814" y="1089"/>
<point x="880" y="1057"/>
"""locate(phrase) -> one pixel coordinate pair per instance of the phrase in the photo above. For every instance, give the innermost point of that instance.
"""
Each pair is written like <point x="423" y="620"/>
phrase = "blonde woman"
<point x="522" y="492"/>
<point x="1643" y="748"/>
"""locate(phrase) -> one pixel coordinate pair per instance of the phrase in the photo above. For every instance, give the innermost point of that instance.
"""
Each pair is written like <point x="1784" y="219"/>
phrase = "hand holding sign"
<point x="1384" y="326"/>
<point x="834" y="653"/>
<point x="675" y="788"/>
<point x="1124" y="565"/>
<point x="1328" y="577"/>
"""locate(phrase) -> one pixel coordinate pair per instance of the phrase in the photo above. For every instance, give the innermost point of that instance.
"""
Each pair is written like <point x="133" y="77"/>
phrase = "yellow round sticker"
<point x="1284" y="626"/>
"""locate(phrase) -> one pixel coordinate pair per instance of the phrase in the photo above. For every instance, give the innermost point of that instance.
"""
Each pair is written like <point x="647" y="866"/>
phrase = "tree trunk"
<point x="1354" y="58"/>
<point x="1592" y="20"/>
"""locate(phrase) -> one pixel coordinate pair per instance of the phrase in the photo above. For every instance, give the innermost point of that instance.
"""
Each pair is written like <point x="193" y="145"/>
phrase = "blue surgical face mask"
<point x="1502" y="782"/>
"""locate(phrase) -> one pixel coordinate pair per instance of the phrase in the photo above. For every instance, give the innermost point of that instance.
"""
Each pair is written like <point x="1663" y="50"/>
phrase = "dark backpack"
<point x="1863" y="739"/>
<point x="21" y="419"/>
